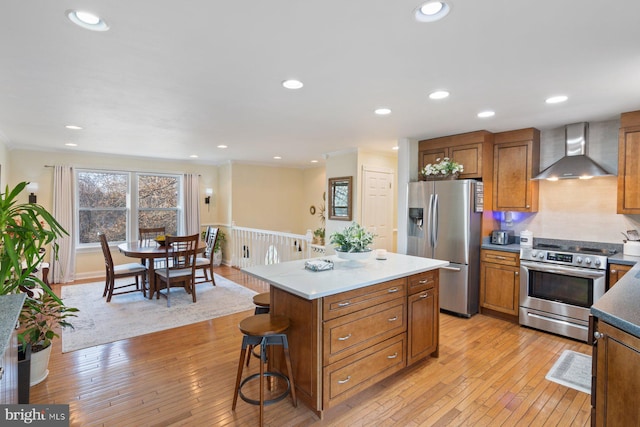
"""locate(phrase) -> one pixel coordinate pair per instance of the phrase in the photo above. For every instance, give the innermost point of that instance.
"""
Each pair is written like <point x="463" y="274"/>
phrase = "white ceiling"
<point x="175" y="78"/>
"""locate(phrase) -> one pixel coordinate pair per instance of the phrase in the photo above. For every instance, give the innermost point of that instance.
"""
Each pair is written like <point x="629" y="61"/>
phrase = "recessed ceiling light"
<point x="292" y="84"/>
<point x="71" y="144"/>
<point x="194" y="156"/>
<point x="485" y="114"/>
<point x="73" y="127"/>
<point x="396" y="148"/>
<point x="87" y="20"/>
<point x="222" y="146"/>
<point x="556" y="99"/>
<point x="382" y="111"/>
<point x="432" y="11"/>
<point x="314" y="161"/>
<point x="277" y="157"/>
<point x="439" y="94"/>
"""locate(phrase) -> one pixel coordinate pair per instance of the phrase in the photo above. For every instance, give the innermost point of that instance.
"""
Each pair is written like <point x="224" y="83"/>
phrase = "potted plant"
<point x="318" y="236"/>
<point x="445" y="169"/>
<point x="42" y="315"/>
<point x="217" y="249"/>
<point x="25" y="231"/>
<point x="352" y="242"/>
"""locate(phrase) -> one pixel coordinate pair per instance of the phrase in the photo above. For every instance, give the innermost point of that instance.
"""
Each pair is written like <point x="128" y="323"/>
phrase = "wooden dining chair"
<point x="147" y="237"/>
<point x="120" y="271"/>
<point x="205" y="263"/>
<point x="181" y="251"/>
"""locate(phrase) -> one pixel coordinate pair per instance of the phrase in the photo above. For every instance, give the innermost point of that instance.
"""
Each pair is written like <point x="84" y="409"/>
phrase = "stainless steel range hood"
<point x="575" y="163"/>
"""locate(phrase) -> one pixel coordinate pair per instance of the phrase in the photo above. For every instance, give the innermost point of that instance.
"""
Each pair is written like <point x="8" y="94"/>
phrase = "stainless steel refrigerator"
<point x="445" y="220"/>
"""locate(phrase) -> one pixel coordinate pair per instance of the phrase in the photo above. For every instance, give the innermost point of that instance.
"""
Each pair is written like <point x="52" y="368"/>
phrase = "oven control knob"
<point x="597" y="262"/>
<point x="579" y="260"/>
<point x="588" y="261"/>
<point x="541" y="255"/>
<point x="534" y="254"/>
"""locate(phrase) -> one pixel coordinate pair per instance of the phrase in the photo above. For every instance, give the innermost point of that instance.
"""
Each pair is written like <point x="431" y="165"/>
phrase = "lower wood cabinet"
<point x="616" y="376"/>
<point x="616" y="271"/>
<point x="500" y="281"/>
<point x="423" y="314"/>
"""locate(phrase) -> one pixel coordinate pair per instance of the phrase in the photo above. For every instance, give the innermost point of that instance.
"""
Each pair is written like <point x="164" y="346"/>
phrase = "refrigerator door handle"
<point x="430" y="221"/>
<point x="435" y="221"/>
<point x="451" y="268"/>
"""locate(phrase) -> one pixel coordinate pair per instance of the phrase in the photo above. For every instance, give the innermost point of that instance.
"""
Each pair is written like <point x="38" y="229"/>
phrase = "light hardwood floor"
<point x="490" y="372"/>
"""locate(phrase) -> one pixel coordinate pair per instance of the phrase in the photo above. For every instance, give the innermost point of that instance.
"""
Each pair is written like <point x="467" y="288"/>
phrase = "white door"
<point x="377" y="205"/>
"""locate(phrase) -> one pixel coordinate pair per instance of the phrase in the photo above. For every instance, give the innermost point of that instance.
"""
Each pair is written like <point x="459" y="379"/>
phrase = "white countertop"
<point x="292" y="277"/>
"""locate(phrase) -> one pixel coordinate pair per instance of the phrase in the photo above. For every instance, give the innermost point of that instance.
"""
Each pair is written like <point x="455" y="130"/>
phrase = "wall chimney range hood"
<point x="575" y="163"/>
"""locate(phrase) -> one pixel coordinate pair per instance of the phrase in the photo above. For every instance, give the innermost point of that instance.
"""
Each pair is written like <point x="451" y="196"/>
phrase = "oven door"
<point x="558" y="298"/>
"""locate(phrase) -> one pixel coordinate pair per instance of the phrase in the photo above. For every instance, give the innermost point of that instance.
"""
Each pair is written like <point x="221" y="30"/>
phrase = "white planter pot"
<point x="39" y="364"/>
<point x="217" y="258"/>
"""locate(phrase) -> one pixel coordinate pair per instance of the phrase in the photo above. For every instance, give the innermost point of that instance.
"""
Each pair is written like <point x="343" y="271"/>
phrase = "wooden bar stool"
<point x="262" y="302"/>
<point x="264" y="330"/>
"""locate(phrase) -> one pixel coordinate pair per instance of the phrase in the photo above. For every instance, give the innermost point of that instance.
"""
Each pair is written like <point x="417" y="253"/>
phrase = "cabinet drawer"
<point x="349" y="376"/>
<point x="354" y="332"/>
<point x="500" y="257"/>
<point x="359" y="299"/>
<point x="422" y="281"/>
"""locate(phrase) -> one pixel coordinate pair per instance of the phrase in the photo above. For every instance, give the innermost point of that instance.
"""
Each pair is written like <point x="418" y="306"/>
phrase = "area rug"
<point x="573" y="370"/>
<point x="131" y="315"/>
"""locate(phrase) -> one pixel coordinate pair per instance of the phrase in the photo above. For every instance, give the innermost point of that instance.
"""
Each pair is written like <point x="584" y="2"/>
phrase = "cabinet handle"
<point x="393" y="356"/>
<point x="392" y="290"/>
<point x="343" y="304"/>
<point x="423" y="281"/>
<point x="344" y="338"/>
<point x="500" y="257"/>
<point x="597" y="335"/>
<point x="614" y="271"/>
<point x="425" y="295"/>
<point x="393" y="319"/>
<point x="527" y="206"/>
<point x="346" y="380"/>
<point x="516" y="273"/>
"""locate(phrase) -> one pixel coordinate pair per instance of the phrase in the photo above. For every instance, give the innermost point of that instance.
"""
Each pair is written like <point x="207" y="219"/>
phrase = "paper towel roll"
<point x="631" y="248"/>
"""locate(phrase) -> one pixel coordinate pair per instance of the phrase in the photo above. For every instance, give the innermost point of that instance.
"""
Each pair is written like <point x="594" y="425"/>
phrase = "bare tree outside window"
<point x="158" y="202"/>
<point x="102" y="204"/>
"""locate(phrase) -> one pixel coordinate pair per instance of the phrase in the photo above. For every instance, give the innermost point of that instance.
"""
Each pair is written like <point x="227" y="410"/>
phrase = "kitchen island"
<point x="356" y="324"/>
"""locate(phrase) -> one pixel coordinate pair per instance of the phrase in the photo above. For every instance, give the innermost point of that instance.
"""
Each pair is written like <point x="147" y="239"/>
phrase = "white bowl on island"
<point x="354" y="256"/>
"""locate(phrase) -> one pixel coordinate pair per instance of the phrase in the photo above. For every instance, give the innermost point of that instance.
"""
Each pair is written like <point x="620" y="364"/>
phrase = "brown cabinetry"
<point x="470" y="150"/>
<point x="499" y="281"/>
<point x="629" y="164"/>
<point x="616" y="271"/>
<point x="516" y="159"/>
<point x="423" y="316"/>
<point x="616" y="376"/>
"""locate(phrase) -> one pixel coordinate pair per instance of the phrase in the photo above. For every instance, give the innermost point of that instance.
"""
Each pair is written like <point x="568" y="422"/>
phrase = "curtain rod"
<point x="120" y="170"/>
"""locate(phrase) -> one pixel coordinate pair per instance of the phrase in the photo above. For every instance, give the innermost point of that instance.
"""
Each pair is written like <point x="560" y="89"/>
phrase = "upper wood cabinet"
<point x="516" y="159"/>
<point x="469" y="149"/>
<point x="629" y="164"/>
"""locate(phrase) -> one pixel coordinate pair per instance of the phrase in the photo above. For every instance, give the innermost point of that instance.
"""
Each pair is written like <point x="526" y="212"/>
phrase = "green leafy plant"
<point x="221" y="239"/>
<point x="354" y="238"/>
<point x="26" y="229"/>
<point x="42" y="313"/>
<point x="319" y="232"/>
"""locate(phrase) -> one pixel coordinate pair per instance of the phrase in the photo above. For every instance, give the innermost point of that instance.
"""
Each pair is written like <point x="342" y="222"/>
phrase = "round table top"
<point x="136" y="250"/>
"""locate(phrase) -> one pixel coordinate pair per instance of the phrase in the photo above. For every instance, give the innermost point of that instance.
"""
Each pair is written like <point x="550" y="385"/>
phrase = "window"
<point x="104" y="204"/>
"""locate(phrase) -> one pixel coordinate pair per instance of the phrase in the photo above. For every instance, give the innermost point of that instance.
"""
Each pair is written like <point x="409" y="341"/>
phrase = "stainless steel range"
<point x="558" y="285"/>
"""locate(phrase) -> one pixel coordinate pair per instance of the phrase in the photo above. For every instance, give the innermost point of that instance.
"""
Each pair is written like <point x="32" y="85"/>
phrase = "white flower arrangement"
<point x="444" y="167"/>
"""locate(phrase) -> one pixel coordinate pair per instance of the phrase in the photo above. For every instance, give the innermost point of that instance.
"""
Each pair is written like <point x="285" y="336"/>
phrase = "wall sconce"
<point x="207" y="199"/>
<point x="33" y="188"/>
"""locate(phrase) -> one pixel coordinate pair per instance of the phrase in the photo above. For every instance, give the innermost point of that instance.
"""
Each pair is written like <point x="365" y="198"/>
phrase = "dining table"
<point x="151" y="252"/>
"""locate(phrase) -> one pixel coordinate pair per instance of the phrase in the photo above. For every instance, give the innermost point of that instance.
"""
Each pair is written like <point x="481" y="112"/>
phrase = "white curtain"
<point x="192" y="203"/>
<point x="63" y="269"/>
